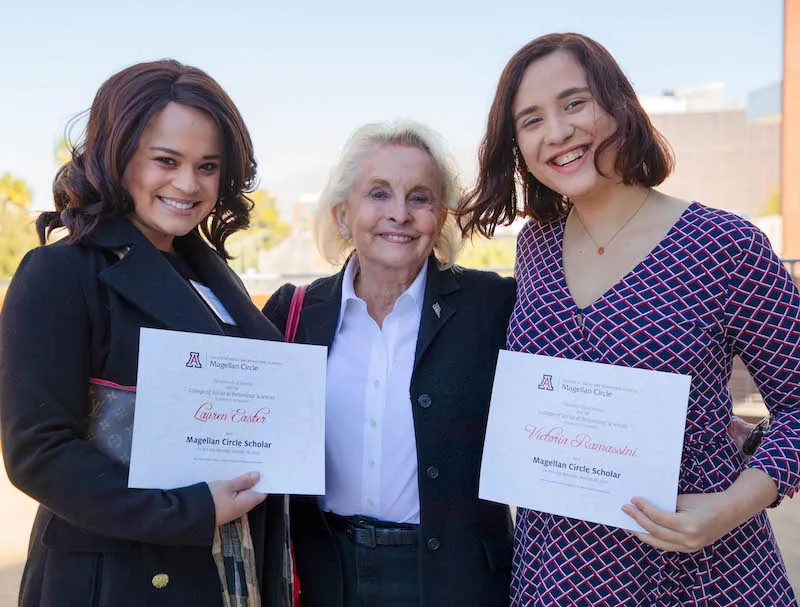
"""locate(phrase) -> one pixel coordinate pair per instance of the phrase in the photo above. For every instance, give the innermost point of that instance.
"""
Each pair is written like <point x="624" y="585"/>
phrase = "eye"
<point x="531" y="122"/>
<point x="165" y="160"/>
<point x="575" y="103"/>
<point x="209" y="167"/>
<point x="418" y="198"/>
<point x="379" y="194"/>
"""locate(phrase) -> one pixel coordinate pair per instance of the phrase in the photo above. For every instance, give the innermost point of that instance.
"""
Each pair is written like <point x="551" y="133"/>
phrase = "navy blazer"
<point x="74" y="311"/>
<point x="465" y="551"/>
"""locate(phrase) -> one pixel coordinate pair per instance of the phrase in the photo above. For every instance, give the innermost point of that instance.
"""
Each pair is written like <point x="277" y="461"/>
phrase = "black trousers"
<point x="383" y="576"/>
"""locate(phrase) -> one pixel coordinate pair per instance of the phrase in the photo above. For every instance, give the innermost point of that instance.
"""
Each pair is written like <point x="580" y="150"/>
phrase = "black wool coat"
<point x="465" y="546"/>
<point x="73" y="311"/>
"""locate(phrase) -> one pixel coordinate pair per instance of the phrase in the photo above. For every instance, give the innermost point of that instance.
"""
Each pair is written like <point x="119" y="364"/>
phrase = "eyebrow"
<point x="380" y="182"/>
<point x="158" y="148"/>
<point x="562" y="95"/>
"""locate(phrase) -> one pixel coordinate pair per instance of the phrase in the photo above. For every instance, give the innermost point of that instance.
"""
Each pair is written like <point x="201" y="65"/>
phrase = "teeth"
<point x="569" y="157"/>
<point x="396" y="238"/>
<point x="177" y="205"/>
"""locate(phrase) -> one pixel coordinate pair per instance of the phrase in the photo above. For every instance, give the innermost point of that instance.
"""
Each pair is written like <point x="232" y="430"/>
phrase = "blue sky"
<point x="305" y="74"/>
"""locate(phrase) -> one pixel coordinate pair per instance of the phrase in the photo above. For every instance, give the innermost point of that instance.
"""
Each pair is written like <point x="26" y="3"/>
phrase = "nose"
<point x="397" y="210"/>
<point x="186" y="180"/>
<point x="559" y="130"/>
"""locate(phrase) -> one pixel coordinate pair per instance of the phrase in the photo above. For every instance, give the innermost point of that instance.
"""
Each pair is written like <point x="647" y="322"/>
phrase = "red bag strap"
<point x="294" y="313"/>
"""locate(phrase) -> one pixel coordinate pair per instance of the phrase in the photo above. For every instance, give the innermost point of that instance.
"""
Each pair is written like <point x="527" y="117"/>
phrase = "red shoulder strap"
<point x="294" y="313"/>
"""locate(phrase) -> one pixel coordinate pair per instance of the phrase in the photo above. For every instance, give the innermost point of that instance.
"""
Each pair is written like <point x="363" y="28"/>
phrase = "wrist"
<point x="751" y="493"/>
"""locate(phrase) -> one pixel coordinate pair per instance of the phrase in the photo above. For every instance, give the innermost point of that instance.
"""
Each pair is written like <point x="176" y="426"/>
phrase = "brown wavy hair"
<point x="643" y="156"/>
<point x="88" y="188"/>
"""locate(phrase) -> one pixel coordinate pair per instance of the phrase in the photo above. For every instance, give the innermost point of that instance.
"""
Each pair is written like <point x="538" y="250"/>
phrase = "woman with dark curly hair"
<point x="610" y="270"/>
<point x="166" y="159"/>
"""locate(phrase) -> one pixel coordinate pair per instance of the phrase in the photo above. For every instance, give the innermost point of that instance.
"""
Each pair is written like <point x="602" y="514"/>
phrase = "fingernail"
<point x="254" y="476"/>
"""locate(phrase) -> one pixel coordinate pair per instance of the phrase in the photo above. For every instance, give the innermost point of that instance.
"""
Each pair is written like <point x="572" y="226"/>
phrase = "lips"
<point x="179" y="205"/>
<point x="564" y="158"/>
<point x="397" y="238"/>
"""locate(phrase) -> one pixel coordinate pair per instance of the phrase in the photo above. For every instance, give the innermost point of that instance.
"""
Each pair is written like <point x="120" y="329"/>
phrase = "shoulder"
<point x="56" y="281"/>
<point x="489" y="291"/>
<point x="277" y="307"/>
<point x="726" y="233"/>
<point x="533" y="231"/>
<point x="59" y="263"/>
<point x="481" y="281"/>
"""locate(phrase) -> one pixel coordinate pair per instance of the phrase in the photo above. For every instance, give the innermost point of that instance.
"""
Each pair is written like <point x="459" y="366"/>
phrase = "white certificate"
<point x="210" y="407"/>
<point x="580" y="439"/>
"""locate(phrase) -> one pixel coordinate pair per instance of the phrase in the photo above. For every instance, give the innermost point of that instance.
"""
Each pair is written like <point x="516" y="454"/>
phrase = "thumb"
<point x="247" y="500"/>
<point x="245" y="481"/>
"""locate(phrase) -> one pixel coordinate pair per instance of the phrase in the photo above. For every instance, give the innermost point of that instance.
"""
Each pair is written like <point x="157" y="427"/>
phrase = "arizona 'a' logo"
<point x="194" y="360"/>
<point x="547" y="383"/>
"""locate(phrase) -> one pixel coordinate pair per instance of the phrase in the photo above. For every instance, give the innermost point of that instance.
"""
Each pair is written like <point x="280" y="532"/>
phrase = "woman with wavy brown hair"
<point x="165" y="161"/>
<point x="610" y="270"/>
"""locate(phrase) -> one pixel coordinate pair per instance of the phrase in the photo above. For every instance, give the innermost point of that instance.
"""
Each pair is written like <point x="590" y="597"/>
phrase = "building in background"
<point x="727" y="155"/>
<point x="303" y="212"/>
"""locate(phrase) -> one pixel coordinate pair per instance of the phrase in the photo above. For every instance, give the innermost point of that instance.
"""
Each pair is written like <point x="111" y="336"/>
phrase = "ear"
<point x="339" y="213"/>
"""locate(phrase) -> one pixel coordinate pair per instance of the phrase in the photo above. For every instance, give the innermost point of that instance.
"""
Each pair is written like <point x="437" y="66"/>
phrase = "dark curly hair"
<point x="89" y="188"/>
<point x="643" y="156"/>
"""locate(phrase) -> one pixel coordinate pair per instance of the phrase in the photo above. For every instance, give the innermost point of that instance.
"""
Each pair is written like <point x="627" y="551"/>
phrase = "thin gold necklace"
<point x="602" y="248"/>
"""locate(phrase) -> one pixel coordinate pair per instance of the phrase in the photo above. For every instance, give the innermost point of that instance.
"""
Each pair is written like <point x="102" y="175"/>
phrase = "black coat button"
<point x="432" y="472"/>
<point x="433" y="544"/>
<point x="424" y="401"/>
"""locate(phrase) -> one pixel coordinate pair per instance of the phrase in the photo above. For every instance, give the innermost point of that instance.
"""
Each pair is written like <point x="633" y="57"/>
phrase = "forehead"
<point x="400" y="164"/>
<point x="180" y="127"/>
<point x="548" y="76"/>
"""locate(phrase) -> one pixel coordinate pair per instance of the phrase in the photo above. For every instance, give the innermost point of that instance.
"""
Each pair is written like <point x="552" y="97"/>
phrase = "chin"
<point x="576" y="191"/>
<point x="409" y="265"/>
<point x="178" y="229"/>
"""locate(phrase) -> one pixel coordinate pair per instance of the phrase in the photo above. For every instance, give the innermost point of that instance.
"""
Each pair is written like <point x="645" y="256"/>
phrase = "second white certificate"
<point x="580" y="439"/>
<point x="210" y="407"/>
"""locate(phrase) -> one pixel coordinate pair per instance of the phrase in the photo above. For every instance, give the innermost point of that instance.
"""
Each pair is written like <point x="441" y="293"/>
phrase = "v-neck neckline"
<point x="562" y="276"/>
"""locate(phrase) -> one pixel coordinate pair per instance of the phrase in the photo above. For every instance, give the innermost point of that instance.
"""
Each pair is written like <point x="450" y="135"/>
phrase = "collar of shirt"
<point x="416" y="291"/>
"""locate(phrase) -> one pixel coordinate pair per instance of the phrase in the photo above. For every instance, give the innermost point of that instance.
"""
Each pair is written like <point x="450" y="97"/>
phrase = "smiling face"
<point x="173" y="176"/>
<point x="559" y="126"/>
<point x="394" y="211"/>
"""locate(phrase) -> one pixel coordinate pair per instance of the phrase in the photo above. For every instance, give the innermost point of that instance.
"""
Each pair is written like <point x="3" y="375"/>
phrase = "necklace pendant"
<point x="601" y="250"/>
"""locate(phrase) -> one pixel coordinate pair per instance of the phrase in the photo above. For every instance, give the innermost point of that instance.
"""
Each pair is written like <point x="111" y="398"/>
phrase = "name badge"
<point x="213" y="302"/>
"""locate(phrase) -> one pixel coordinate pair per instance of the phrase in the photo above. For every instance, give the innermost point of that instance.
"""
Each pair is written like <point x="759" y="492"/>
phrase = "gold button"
<point x="160" y="580"/>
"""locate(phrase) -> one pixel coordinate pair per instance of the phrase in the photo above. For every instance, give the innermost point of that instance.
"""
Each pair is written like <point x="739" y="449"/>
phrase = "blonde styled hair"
<point x="366" y="139"/>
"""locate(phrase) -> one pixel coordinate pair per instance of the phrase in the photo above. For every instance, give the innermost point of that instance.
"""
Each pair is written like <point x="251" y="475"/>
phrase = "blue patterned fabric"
<point x="710" y="290"/>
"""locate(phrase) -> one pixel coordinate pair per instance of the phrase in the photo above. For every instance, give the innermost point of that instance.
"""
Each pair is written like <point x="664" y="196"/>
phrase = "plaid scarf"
<point x="236" y="564"/>
<point x="235" y="559"/>
<point x="233" y="545"/>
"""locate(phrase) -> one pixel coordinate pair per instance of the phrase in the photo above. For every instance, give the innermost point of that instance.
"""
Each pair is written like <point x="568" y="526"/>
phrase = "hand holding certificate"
<point x="210" y="407"/>
<point x="581" y="439"/>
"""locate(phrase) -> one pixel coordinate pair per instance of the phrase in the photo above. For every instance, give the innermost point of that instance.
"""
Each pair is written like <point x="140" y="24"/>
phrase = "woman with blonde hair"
<point x="413" y="342"/>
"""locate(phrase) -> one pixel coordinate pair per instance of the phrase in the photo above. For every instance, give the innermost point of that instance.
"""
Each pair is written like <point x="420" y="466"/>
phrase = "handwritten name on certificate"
<point x="210" y="407"/>
<point x="580" y="439"/>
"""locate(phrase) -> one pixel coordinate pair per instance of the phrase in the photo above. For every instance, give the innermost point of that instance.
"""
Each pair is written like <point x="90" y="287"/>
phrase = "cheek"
<point x="363" y="218"/>
<point x="602" y="125"/>
<point x="141" y="181"/>
<point x="211" y="184"/>
<point x="430" y="222"/>
<point x="529" y="145"/>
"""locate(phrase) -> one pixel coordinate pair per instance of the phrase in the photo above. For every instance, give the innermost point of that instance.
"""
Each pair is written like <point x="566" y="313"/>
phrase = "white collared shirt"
<point x="370" y="445"/>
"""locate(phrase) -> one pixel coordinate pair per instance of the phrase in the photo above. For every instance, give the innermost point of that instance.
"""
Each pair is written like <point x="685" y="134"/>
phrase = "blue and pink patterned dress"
<point x="711" y="289"/>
